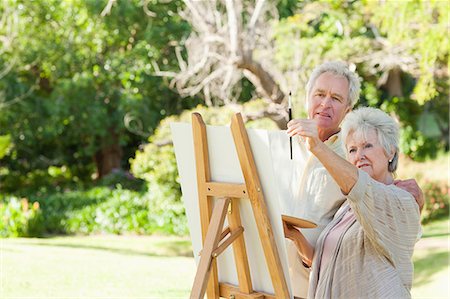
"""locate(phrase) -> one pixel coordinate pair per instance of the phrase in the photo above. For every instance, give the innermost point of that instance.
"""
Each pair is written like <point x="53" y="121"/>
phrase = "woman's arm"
<point x="390" y="219"/>
<point x="343" y="172"/>
<point x="388" y="215"/>
<point x="305" y="250"/>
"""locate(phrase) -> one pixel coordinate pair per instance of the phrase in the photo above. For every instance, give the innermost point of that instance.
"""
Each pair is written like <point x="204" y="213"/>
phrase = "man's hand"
<point x="412" y="187"/>
<point x="306" y="129"/>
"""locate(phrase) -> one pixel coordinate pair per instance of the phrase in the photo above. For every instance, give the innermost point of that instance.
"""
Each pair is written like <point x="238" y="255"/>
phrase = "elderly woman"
<point x="366" y="251"/>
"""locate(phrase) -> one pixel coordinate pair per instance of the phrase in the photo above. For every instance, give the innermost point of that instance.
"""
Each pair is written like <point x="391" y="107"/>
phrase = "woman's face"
<point x="369" y="155"/>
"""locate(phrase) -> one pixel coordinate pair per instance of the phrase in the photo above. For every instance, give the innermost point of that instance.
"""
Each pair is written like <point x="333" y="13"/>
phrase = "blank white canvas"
<point x="278" y="176"/>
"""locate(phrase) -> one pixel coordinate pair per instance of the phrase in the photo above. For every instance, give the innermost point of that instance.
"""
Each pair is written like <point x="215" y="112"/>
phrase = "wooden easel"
<point x="215" y="239"/>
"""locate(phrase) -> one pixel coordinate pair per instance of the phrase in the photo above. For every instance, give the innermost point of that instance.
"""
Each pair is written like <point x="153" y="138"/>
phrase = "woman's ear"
<point x="392" y="154"/>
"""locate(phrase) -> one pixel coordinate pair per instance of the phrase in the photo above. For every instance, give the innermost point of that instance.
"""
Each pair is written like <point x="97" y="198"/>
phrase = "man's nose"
<point x="326" y="101"/>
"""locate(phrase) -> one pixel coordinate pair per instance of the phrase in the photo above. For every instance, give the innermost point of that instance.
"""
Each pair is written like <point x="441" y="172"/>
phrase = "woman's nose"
<point x="360" y="154"/>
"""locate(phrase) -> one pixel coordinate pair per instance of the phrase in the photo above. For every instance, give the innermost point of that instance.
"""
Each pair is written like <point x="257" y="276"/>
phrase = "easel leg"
<point x="212" y="239"/>
<point x="240" y="252"/>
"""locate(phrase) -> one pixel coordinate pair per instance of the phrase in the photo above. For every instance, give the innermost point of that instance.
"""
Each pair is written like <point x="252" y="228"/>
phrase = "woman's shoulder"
<point x="399" y="192"/>
<point x="390" y="190"/>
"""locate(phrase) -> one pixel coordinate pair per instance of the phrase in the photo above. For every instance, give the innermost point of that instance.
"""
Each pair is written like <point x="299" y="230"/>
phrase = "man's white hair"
<point x="362" y="120"/>
<point x="341" y="69"/>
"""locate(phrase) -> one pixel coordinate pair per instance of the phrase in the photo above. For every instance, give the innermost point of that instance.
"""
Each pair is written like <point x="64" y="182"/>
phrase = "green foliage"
<point x="121" y="179"/>
<point x="413" y="142"/>
<point x="38" y="180"/>
<point x="124" y="211"/>
<point x="96" y="210"/>
<point x="421" y="29"/>
<point x="5" y="145"/>
<point x="58" y="206"/>
<point x="20" y="218"/>
<point x="157" y="166"/>
<point x="410" y="35"/>
<point x="437" y="201"/>
<point x="81" y="82"/>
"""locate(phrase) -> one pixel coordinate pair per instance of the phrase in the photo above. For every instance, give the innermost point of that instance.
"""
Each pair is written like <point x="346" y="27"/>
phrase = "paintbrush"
<point x="290" y="118"/>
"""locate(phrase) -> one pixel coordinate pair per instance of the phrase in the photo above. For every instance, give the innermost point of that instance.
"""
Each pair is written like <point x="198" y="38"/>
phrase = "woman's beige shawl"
<point x="373" y="256"/>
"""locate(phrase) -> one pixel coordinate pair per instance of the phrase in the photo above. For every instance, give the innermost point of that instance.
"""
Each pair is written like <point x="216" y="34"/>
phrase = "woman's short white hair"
<point x="362" y="120"/>
<point x="341" y="69"/>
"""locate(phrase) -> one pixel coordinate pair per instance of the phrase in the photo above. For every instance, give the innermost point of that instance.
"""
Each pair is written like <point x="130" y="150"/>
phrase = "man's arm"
<point x="412" y="187"/>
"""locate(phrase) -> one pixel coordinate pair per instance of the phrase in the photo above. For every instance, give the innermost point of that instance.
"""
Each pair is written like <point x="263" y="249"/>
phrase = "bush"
<point x="126" y="212"/>
<point x="437" y="197"/>
<point x="124" y="179"/>
<point x="56" y="207"/>
<point x="97" y="210"/>
<point x="52" y="178"/>
<point x="20" y="218"/>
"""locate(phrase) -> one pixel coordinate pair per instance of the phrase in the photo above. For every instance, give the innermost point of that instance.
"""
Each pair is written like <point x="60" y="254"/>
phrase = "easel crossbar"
<point x="226" y="190"/>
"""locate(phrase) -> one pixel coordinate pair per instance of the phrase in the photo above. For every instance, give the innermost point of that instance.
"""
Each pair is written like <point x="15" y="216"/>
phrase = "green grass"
<point x="155" y="267"/>
<point x="437" y="228"/>
<point x="96" y="267"/>
<point x="432" y="261"/>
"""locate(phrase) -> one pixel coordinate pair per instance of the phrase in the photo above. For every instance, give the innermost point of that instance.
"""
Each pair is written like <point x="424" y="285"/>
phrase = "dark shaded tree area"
<point x="80" y="94"/>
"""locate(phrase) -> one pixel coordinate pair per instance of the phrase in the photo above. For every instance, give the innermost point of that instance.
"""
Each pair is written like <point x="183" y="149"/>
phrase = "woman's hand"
<point x="306" y="129"/>
<point x="290" y="232"/>
<point x="305" y="250"/>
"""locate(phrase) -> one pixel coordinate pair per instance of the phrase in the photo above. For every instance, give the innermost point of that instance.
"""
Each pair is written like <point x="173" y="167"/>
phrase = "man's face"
<point x="328" y="102"/>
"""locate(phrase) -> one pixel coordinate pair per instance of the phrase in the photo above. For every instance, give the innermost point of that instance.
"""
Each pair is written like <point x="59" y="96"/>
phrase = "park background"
<point x="90" y="204"/>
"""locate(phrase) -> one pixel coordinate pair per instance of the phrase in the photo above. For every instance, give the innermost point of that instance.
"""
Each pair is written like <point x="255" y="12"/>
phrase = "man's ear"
<point x="349" y="109"/>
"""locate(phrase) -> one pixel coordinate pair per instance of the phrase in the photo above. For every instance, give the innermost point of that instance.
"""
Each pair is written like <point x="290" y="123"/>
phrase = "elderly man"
<point x="332" y="91"/>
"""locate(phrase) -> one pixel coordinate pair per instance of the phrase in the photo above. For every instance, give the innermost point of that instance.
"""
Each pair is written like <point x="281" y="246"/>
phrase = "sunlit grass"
<point x="432" y="262"/>
<point x="437" y="228"/>
<point x="96" y="267"/>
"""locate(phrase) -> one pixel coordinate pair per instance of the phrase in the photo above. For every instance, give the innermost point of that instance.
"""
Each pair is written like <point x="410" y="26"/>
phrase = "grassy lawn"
<point x="432" y="262"/>
<point x="155" y="267"/>
<point x="96" y="267"/>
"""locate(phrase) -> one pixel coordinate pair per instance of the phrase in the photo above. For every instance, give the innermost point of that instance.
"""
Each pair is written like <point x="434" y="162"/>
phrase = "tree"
<point x="399" y="49"/>
<point x="88" y="97"/>
<point x="230" y="40"/>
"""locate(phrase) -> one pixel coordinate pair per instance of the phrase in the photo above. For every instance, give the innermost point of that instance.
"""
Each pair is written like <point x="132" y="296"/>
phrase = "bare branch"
<point x="224" y="35"/>
<point x="107" y="10"/>
<point x="17" y="99"/>
<point x="147" y="11"/>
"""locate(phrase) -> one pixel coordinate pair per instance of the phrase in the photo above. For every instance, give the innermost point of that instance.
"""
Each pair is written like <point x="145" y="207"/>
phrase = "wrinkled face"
<point x="328" y="102"/>
<point x="369" y="155"/>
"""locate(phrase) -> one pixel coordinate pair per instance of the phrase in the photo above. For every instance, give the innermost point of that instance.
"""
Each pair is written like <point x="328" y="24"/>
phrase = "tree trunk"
<point x="267" y="87"/>
<point x="394" y="83"/>
<point x="266" y="84"/>
<point x="109" y="157"/>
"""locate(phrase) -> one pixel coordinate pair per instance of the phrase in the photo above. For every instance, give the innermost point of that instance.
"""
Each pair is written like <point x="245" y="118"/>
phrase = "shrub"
<point x="437" y="197"/>
<point x="57" y="206"/>
<point x="20" y="218"/>
<point x="126" y="212"/>
<point x="97" y="210"/>
<point x="124" y="179"/>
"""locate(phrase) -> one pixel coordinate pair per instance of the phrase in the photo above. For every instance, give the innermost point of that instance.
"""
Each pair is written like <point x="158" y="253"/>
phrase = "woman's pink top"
<point x="333" y="236"/>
